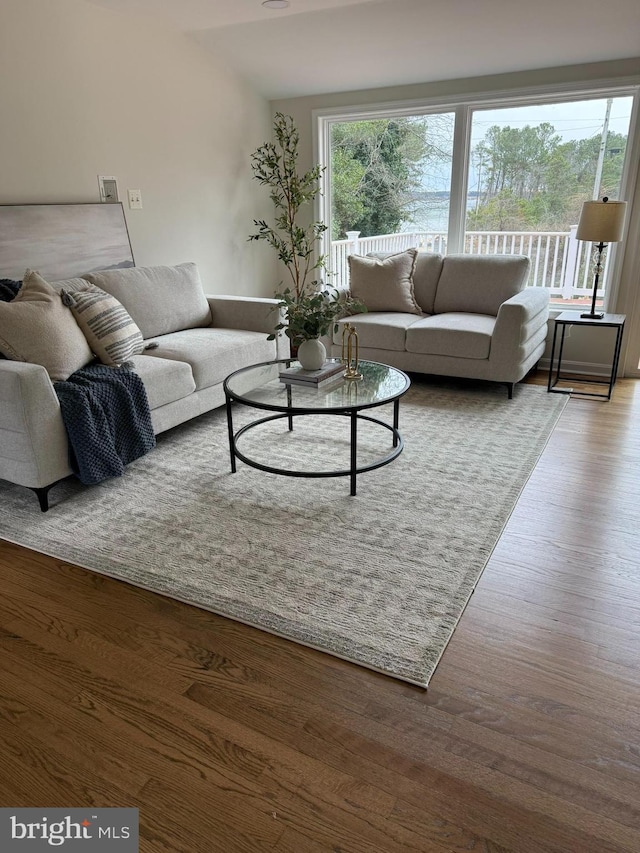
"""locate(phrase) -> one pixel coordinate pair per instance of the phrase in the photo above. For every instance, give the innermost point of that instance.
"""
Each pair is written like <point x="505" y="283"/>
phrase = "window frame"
<point x="463" y="106"/>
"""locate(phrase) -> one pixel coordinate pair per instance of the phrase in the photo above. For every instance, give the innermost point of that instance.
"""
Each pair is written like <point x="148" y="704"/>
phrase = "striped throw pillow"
<point x="108" y="328"/>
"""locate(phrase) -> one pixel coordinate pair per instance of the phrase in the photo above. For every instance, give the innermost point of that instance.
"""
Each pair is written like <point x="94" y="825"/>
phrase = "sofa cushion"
<point x="108" y="328"/>
<point x="159" y="299"/>
<point x="383" y="330"/>
<point x="214" y="353"/>
<point x="455" y="334"/>
<point x="479" y="284"/>
<point x="36" y="327"/>
<point x="384" y="284"/>
<point x="165" y="380"/>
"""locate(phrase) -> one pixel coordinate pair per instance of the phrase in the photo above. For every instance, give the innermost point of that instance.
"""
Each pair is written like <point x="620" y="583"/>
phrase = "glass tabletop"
<point x="260" y="385"/>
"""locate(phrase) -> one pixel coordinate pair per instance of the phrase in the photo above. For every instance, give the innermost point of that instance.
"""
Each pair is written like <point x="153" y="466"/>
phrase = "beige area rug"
<point x="380" y="579"/>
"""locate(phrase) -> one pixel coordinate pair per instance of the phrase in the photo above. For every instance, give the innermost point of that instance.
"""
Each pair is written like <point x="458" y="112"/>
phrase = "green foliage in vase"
<point x="314" y="314"/>
<point x="310" y="307"/>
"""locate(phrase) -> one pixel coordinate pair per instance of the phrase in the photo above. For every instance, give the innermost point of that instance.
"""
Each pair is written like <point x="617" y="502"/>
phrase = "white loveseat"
<point x="200" y="340"/>
<point x="460" y="315"/>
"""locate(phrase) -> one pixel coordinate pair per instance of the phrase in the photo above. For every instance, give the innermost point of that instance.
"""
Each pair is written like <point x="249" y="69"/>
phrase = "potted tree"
<point x="310" y="306"/>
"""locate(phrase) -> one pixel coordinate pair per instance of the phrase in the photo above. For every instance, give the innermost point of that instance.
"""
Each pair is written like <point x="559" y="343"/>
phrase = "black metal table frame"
<point x="551" y="383"/>
<point x="354" y="413"/>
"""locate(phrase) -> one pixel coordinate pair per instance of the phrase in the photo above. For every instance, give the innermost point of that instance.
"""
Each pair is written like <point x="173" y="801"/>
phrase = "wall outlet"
<point x="135" y="199"/>
<point x="108" y="188"/>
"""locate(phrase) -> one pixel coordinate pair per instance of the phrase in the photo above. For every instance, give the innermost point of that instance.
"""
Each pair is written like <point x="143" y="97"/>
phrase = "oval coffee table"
<point x="259" y="386"/>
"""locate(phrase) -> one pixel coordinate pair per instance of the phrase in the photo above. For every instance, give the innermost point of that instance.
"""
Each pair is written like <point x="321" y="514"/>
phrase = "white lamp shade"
<point x="601" y="221"/>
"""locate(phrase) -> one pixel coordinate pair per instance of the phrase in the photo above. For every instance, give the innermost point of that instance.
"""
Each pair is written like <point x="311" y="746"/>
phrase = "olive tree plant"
<point x="310" y="306"/>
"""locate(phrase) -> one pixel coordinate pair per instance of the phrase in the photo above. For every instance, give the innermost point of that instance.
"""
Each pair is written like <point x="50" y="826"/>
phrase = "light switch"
<point x="135" y="199"/>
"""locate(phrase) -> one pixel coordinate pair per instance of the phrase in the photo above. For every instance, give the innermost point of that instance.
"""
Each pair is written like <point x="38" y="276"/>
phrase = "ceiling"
<point x="320" y="46"/>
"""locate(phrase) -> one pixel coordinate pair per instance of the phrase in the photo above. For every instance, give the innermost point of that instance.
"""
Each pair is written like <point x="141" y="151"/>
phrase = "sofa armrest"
<point x="529" y="303"/>
<point x="253" y="313"/>
<point x="519" y="323"/>
<point x="33" y="440"/>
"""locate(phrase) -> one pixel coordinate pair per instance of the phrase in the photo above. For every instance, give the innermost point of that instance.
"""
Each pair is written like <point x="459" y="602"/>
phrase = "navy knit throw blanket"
<point x="106" y="414"/>
<point x="9" y="289"/>
<point x="8" y="292"/>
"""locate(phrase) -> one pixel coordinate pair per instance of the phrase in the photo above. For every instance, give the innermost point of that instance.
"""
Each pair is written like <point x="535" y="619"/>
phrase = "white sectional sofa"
<point x="459" y="315"/>
<point x="200" y="340"/>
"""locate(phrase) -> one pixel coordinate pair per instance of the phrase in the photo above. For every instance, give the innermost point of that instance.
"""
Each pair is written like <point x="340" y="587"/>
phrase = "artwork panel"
<point x="63" y="240"/>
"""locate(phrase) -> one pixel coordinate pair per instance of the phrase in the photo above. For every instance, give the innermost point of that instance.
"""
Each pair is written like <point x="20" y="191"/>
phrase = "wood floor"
<point x="228" y="739"/>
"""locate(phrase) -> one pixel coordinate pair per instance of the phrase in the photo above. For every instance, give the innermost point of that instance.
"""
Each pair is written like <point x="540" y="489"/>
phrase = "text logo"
<point x="74" y="830"/>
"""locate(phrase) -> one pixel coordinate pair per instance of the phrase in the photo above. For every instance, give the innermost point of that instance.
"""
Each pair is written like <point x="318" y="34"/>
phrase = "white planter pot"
<point x="312" y="354"/>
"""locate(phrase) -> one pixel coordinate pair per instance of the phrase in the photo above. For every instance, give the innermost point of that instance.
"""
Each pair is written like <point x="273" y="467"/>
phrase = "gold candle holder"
<point x="350" y="355"/>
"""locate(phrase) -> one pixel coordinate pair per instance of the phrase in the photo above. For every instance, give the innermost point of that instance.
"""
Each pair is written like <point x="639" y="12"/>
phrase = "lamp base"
<point x="590" y="316"/>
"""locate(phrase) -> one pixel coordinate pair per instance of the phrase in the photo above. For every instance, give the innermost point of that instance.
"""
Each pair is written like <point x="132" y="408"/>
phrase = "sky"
<point x="576" y="120"/>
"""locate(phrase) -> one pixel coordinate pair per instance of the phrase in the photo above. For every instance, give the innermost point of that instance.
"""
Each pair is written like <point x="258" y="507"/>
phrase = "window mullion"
<point x="459" y="179"/>
<point x="322" y="203"/>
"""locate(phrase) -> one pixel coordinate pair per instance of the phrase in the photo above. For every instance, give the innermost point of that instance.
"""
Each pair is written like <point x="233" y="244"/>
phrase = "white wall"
<point x="86" y="91"/>
<point x="584" y="348"/>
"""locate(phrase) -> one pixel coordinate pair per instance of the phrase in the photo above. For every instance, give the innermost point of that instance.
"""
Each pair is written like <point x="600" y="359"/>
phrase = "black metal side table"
<point x="572" y="318"/>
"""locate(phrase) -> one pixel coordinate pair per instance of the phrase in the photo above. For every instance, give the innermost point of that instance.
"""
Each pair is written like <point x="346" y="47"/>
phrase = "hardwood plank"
<point x="50" y="723"/>
<point x="42" y="776"/>
<point x="42" y="639"/>
<point x="223" y="825"/>
<point x="126" y="626"/>
<point x="423" y="771"/>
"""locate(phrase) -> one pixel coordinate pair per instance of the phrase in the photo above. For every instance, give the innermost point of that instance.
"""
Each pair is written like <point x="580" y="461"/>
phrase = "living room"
<point x="232" y="738"/>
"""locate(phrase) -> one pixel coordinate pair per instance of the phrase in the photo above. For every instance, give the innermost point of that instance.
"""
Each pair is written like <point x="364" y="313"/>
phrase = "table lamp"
<point x="601" y="222"/>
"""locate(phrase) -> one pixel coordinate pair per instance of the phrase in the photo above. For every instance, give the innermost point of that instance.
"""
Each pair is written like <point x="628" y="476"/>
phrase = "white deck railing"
<point x="559" y="262"/>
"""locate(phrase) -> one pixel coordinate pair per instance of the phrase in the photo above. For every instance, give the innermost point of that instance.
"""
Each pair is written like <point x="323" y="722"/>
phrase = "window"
<point x="506" y="176"/>
<point x="390" y="185"/>
<point x="531" y="168"/>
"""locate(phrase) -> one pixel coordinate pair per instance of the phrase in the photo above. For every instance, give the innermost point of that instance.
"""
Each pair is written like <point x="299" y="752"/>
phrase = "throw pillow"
<point x="36" y="327"/>
<point x="385" y="284"/>
<point x="108" y="328"/>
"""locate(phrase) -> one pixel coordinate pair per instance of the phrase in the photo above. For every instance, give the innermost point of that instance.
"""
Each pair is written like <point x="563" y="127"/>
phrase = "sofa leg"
<point x="43" y="497"/>
<point x="509" y="390"/>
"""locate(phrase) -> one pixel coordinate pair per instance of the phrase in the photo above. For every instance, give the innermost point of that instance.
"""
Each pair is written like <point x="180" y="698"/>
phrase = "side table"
<point x="573" y="318"/>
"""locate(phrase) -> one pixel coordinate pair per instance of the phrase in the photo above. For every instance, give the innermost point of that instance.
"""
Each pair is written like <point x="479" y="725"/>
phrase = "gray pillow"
<point x="385" y="284"/>
<point x="108" y="328"/>
<point x="37" y="328"/>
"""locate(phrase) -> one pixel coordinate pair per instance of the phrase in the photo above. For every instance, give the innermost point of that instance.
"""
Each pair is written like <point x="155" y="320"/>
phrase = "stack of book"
<point x="330" y="371"/>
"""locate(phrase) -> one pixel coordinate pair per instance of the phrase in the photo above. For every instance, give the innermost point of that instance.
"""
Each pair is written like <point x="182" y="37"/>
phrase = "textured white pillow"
<point x="108" y="328"/>
<point x="385" y="284"/>
<point x="36" y="327"/>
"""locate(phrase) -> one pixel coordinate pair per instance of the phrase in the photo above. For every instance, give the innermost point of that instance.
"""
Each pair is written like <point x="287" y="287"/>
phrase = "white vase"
<point x="312" y="354"/>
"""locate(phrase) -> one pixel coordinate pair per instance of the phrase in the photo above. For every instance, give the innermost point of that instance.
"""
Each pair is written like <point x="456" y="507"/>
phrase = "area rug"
<point x="380" y="579"/>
